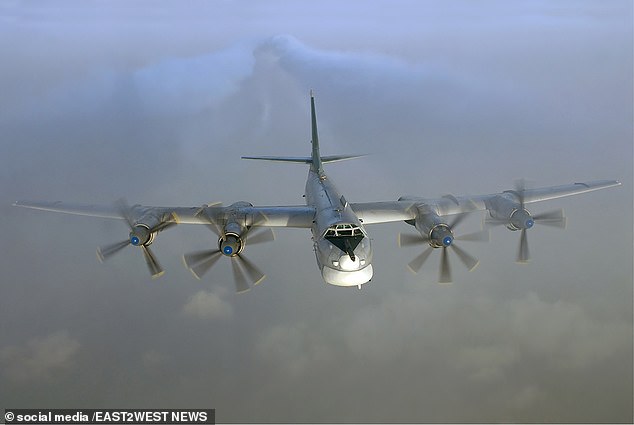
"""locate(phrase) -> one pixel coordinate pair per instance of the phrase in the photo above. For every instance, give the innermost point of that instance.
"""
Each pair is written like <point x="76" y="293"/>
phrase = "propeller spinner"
<point x="230" y="244"/>
<point x="140" y="235"/>
<point x="441" y="237"/>
<point x="521" y="219"/>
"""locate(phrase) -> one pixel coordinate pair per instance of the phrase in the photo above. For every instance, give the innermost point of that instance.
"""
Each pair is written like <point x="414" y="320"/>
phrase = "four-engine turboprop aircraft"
<point x="340" y="240"/>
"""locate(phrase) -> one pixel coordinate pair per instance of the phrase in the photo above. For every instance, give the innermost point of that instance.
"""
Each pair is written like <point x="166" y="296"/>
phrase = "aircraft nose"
<point x="348" y="264"/>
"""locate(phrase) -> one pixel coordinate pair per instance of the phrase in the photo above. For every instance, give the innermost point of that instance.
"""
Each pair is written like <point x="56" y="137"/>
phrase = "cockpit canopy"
<point x="343" y="230"/>
<point x="346" y="237"/>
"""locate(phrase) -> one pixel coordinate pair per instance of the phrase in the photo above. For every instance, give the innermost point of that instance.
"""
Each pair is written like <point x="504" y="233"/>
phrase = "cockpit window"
<point x="346" y="237"/>
<point x="343" y="230"/>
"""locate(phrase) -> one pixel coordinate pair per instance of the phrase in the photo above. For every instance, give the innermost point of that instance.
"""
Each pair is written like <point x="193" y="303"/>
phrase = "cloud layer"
<point x="158" y="103"/>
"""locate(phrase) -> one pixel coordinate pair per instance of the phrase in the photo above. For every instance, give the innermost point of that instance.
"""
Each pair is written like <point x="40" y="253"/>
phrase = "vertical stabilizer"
<point x="315" y="158"/>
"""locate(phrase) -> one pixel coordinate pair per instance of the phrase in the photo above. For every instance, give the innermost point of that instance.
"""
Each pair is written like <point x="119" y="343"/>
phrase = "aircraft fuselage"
<point x="342" y="246"/>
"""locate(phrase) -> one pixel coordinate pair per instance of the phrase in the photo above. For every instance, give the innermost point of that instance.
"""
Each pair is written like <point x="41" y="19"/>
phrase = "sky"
<point x="156" y="102"/>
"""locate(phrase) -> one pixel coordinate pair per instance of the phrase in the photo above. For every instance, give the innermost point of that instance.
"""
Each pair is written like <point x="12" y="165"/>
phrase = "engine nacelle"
<point x="440" y="236"/>
<point x="504" y="207"/>
<point x="520" y="219"/>
<point x="141" y="235"/>
<point x="433" y="228"/>
<point x="142" y="231"/>
<point x="231" y="244"/>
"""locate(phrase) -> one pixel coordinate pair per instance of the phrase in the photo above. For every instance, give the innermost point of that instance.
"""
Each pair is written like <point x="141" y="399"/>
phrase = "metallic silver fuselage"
<point x="332" y="209"/>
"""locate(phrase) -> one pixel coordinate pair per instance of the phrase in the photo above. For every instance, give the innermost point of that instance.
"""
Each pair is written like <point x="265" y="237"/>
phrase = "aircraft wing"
<point x="146" y="221"/>
<point x="384" y="212"/>
<point x="299" y="216"/>
<point x="554" y="192"/>
<point x="407" y="208"/>
<point x="76" y="209"/>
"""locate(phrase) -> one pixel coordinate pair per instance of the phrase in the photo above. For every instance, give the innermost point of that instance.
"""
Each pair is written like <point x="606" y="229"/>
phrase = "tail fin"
<point x="315" y="160"/>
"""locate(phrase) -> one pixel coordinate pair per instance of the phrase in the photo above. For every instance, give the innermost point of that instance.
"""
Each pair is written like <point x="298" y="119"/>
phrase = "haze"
<point x="157" y="101"/>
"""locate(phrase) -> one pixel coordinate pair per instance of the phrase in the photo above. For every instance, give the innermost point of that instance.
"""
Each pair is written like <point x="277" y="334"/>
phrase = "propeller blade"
<point x="103" y="253"/>
<point x="409" y="239"/>
<point x="469" y="261"/>
<point x="200" y="262"/>
<point x="124" y="210"/>
<point x="550" y="215"/>
<point x="558" y="223"/>
<point x="153" y="265"/>
<point x="523" y="255"/>
<point x="416" y="264"/>
<point x="491" y="222"/>
<point x="520" y="187"/>
<point x="172" y="221"/>
<point x="481" y="236"/>
<point x="458" y="219"/>
<point x="259" y="219"/>
<point x="260" y="235"/>
<point x="469" y="207"/>
<point x="238" y="277"/>
<point x="551" y="218"/>
<point x="212" y="224"/>
<point x="445" y="268"/>
<point x="255" y="274"/>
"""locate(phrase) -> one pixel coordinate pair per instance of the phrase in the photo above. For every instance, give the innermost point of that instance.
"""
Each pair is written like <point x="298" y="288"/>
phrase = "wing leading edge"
<point x="299" y="216"/>
<point x="406" y="207"/>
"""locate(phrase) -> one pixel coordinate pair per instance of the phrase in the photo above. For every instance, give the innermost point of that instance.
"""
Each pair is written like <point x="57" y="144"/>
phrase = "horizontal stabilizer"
<point x="302" y="159"/>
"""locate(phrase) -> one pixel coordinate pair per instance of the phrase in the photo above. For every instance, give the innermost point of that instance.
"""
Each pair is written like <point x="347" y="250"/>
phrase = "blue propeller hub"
<point x="231" y="245"/>
<point x="440" y="236"/>
<point x="140" y="235"/>
<point x="521" y="219"/>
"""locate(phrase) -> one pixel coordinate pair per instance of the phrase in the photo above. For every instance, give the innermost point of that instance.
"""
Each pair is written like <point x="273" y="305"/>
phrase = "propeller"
<point x="522" y="220"/>
<point x="245" y="273"/>
<point x="441" y="236"/>
<point x="140" y="235"/>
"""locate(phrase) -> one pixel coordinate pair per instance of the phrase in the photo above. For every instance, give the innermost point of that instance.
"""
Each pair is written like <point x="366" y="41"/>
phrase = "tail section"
<point x="315" y="160"/>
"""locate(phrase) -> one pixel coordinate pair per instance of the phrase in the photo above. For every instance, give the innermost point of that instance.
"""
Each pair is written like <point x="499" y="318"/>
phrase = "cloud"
<point x="173" y="86"/>
<point x="295" y="349"/>
<point x="443" y="343"/>
<point x="207" y="305"/>
<point x="153" y="359"/>
<point x="453" y="97"/>
<point x="486" y="363"/>
<point x="564" y="334"/>
<point x="40" y="357"/>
